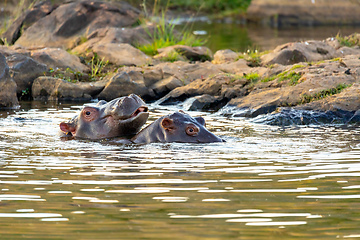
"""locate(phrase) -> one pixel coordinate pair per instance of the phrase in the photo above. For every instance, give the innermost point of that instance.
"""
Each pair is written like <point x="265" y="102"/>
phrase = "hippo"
<point x="120" y="117"/>
<point x="176" y="127"/>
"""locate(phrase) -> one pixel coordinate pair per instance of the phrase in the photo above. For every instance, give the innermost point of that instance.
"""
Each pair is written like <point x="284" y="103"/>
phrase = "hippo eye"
<point x="192" y="130"/>
<point x="90" y="114"/>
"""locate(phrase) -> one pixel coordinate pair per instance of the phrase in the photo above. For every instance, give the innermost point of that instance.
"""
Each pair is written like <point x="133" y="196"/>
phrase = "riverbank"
<point x="296" y="83"/>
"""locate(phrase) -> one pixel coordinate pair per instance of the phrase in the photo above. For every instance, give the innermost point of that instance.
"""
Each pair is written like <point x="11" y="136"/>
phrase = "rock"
<point x="24" y="70"/>
<point x="203" y="103"/>
<point x="282" y="13"/>
<point x="289" y="116"/>
<point x="238" y="67"/>
<point x="133" y="36"/>
<point x="26" y="19"/>
<point x="57" y="58"/>
<point x="120" y="85"/>
<point x="346" y="101"/>
<point x="65" y="25"/>
<point x="188" y="72"/>
<point x="345" y="51"/>
<point x="161" y="88"/>
<point x="224" y="56"/>
<point x="54" y="89"/>
<point x="190" y="53"/>
<point x="12" y="50"/>
<point x="8" y="98"/>
<point x="121" y="54"/>
<point x="152" y="76"/>
<point x="213" y="86"/>
<point x="315" y="79"/>
<point x="291" y="53"/>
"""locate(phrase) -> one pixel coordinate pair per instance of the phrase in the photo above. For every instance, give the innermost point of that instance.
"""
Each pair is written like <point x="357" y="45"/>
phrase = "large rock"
<point x="8" y="98"/>
<point x="281" y="13"/>
<point x="291" y="53"/>
<point x="121" y="84"/>
<point x="54" y="89"/>
<point x="26" y="19"/>
<point x="215" y="86"/>
<point x="204" y="103"/>
<point x="133" y="36"/>
<point x="58" y="58"/>
<point x="226" y="55"/>
<point x="267" y="97"/>
<point x="121" y="54"/>
<point x="161" y="88"/>
<point x="24" y="70"/>
<point x="188" y="72"/>
<point x="342" y="108"/>
<point x="64" y="26"/>
<point x="346" y="101"/>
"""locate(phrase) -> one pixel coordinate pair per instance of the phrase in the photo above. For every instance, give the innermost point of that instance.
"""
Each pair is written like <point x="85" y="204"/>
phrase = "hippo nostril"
<point x="223" y="140"/>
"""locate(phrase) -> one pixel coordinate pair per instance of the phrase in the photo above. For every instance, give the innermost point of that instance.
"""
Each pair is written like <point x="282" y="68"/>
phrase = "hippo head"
<point x="177" y="127"/>
<point x="118" y="118"/>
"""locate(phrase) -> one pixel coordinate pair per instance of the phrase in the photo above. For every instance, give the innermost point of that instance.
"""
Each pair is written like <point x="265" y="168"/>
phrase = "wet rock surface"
<point x="8" y="98"/>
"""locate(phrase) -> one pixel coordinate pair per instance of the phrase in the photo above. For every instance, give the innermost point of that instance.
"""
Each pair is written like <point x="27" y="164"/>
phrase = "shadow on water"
<point x="264" y="182"/>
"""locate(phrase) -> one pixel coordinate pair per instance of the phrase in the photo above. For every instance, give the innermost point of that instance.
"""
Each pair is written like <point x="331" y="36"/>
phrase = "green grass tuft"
<point x="165" y="35"/>
<point x="349" y="41"/>
<point x="306" y="98"/>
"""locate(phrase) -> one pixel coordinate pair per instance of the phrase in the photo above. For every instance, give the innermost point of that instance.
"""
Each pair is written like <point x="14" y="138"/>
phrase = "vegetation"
<point x="290" y="75"/>
<point x="252" y="57"/>
<point x="252" y="77"/>
<point x="20" y="8"/>
<point x="306" y="98"/>
<point x="98" y="69"/>
<point x="349" y="41"/>
<point x="209" y="6"/>
<point x="165" y="35"/>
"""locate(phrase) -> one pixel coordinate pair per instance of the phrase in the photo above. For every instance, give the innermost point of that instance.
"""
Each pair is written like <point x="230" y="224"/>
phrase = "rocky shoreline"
<point x="306" y="82"/>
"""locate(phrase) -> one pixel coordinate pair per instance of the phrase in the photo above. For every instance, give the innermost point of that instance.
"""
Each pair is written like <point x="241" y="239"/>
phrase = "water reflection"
<point x="263" y="182"/>
<point x="239" y="37"/>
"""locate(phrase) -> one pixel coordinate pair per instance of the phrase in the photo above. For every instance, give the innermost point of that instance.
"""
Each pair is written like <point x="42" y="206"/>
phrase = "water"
<point x="265" y="182"/>
<point x="239" y="37"/>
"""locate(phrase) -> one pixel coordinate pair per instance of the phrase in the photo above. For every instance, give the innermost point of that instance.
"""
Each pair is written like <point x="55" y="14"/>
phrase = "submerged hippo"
<point x="118" y="118"/>
<point x="176" y="127"/>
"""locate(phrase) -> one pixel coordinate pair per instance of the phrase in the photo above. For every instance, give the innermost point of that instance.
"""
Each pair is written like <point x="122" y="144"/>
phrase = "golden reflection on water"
<point x="264" y="182"/>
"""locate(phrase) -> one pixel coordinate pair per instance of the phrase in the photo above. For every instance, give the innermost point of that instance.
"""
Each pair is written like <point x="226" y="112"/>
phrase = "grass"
<point x="217" y="7"/>
<point x="289" y="75"/>
<point x="306" y="98"/>
<point x="292" y="76"/>
<point x="348" y="41"/>
<point x="165" y="35"/>
<point x="20" y="8"/>
<point x="252" y="57"/>
<point x="252" y="77"/>
<point x="98" y="69"/>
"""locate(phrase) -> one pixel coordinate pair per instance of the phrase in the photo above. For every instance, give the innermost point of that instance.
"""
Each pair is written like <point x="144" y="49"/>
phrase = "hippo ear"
<point x="201" y="120"/>
<point x="101" y="102"/>
<point x="167" y="124"/>
<point x="67" y="127"/>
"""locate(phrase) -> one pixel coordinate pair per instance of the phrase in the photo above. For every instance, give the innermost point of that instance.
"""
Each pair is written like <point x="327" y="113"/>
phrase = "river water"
<point x="264" y="182"/>
<point x="239" y="37"/>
